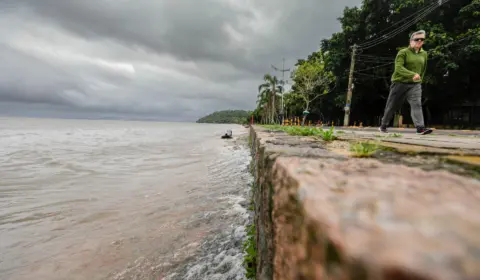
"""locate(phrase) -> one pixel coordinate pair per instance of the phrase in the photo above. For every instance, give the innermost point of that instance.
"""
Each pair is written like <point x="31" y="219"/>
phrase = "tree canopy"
<point x="227" y="116"/>
<point x="311" y="80"/>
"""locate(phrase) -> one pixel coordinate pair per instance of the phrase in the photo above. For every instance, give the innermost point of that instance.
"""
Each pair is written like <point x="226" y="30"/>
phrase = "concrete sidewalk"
<point x="441" y="142"/>
<point x="474" y="133"/>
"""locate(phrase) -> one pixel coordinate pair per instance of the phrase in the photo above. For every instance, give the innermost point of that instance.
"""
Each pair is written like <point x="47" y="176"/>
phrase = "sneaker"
<point x="424" y="131"/>
<point x="383" y="129"/>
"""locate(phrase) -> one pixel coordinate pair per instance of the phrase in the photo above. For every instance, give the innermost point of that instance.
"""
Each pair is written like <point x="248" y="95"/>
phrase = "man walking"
<point x="410" y="67"/>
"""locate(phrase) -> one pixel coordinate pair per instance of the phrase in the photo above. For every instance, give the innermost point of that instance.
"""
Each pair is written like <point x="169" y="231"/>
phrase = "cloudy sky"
<point x="161" y="59"/>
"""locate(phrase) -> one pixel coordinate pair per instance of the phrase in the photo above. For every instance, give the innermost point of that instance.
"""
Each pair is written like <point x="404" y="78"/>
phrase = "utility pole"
<point x="348" y="105"/>
<point x="283" y="70"/>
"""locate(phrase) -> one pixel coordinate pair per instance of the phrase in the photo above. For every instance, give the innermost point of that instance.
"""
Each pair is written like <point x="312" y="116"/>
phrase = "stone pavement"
<point x="465" y="144"/>
<point x="323" y="215"/>
<point x="475" y="133"/>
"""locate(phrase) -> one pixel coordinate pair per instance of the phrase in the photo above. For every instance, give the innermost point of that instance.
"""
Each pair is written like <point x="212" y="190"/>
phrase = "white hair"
<point x="418" y="33"/>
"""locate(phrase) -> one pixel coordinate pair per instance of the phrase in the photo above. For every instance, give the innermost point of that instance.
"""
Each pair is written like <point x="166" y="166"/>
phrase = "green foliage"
<point x="250" y="253"/>
<point x="274" y="127"/>
<point x="294" y="103"/>
<point x="329" y="135"/>
<point x="311" y="79"/>
<point x="296" y="130"/>
<point x="228" y="116"/>
<point x="326" y="135"/>
<point x="302" y="131"/>
<point x="363" y="149"/>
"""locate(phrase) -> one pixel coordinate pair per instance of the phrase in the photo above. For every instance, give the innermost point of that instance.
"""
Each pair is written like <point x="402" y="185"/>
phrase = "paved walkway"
<point x="467" y="144"/>
<point x="474" y="133"/>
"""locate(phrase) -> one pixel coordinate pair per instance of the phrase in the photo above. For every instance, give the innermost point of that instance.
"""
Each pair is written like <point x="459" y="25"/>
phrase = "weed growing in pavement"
<point x="363" y="149"/>
<point x="326" y="135"/>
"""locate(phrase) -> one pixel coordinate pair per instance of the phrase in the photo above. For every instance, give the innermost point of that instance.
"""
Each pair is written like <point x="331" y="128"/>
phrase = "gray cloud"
<point x="152" y="58"/>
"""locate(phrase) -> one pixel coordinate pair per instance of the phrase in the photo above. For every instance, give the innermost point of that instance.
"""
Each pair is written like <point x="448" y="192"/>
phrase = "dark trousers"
<point x="398" y="93"/>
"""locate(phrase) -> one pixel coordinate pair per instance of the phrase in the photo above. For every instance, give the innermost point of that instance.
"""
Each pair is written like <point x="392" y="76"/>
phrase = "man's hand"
<point x="416" y="77"/>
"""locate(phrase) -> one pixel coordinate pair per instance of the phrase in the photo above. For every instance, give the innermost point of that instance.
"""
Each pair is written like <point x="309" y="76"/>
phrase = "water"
<point x="83" y="199"/>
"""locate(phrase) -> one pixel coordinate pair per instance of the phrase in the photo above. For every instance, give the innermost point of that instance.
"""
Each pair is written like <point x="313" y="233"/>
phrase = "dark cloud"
<point x="152" y="57"/>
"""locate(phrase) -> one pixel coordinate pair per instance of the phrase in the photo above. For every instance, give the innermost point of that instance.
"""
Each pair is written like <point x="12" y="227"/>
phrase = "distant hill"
<point x="227" y="116"/>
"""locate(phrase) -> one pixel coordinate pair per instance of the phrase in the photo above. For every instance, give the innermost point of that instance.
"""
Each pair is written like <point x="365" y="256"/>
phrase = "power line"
<point x="406" y="18"/>
<point x="371" y="68"/>
<point x="368" y="63"/>
<point x="379" y="66"/>
<point x="384" y="38"/>
<point x="369" y="60"/>
<point x="398" y="30"/>
<point x="391" y="35"/>
<point x="373" y="76"/>
<point x="387" y="37"/>
<point x="367" y="56"/>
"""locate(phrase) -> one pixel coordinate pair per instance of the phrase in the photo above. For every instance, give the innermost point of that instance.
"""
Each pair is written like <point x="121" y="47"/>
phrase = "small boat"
<point x="227" y="134"/>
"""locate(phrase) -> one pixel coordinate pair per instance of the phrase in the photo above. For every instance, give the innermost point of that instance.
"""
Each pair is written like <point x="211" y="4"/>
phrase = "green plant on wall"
<point x="250" y="250"/>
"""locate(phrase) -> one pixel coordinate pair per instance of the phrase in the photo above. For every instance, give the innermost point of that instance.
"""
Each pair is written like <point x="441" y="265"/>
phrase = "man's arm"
<point x="400" y="66"/>
<point x="424" y="70"/>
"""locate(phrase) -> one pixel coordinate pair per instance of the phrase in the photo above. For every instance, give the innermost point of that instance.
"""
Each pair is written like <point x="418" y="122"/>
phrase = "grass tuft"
<point x="326" y="135"/>
<point x="363" y="149"/>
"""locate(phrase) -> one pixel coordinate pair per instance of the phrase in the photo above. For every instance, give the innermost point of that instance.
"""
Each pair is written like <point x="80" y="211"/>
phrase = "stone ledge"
<point x="330" y="217"/>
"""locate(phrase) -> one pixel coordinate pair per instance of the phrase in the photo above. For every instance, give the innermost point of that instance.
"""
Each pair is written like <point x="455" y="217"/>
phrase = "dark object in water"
<point x="227" y="135"/>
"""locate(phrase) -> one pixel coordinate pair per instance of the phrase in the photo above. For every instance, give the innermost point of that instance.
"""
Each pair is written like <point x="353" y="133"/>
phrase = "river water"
<point x="85" y="199"/>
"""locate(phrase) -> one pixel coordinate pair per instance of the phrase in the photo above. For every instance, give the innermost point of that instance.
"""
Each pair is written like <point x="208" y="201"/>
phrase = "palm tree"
<point x="268" y="93"/>
<point x="262" y="106"/>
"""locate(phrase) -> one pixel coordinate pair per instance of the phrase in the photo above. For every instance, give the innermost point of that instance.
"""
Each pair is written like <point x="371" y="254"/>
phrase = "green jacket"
<point x="408" y="63"/>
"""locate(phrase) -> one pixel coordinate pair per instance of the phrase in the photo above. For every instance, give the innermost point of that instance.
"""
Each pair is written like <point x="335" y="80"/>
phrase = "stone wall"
<point x="319" y="215"/>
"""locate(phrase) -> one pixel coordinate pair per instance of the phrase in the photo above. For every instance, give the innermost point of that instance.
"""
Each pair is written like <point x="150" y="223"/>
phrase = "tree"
<point x="312" y="80"/>
<point x="453" y="43"/>
<point x="227" y="116"/>
<point x="262" y="110"/>
<point x="267" y="98"/>
<point x="293" y="103"/>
